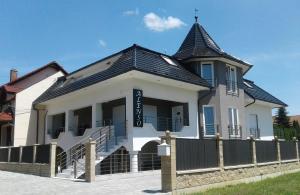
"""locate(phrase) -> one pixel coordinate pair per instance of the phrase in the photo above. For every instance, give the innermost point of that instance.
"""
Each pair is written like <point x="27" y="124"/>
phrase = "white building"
<point x="18" y="118"/>
<point x="127" y="100"/>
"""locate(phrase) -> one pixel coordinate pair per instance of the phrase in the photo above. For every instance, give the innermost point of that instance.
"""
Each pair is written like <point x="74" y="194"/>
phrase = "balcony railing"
<point x="254" y="132"/>
<point x="235" y="131"/>
<point x="210" y="130"/>
<point x="232" y="87"/>
<point x="165" y="123"/>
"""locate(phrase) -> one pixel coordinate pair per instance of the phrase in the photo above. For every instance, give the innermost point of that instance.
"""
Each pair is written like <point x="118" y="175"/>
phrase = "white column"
<point x="99" y="116"/>
<point x="67" y="120"/>
<point x="134" y="162"/>
<point x="94" y="110"/>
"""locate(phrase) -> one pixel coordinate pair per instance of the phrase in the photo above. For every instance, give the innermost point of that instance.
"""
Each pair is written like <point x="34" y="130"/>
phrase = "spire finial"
<point x="196" y="15"/>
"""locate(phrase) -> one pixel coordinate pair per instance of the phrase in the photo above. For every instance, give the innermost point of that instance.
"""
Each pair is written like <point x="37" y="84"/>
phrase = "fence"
<point x="206" y="154"/>
<point x="26" y="154"/>
<point x="199" y="154"/>
<point x="194" y="163"/>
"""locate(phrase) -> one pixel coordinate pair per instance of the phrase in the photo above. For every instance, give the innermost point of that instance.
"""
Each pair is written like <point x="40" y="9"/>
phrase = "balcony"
<point x="232" y="87"/>
<point x="165" y="123"/>
<point x="210" y="130"/>
<point x="254" y="132"/>
<point x="235" y="131"/>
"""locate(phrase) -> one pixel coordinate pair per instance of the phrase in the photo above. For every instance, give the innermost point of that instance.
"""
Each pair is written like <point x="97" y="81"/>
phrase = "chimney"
<point x="13" y="75"/>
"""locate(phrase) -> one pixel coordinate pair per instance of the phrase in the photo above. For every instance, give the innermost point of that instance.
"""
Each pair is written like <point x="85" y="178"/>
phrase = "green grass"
<point x="286" y="184"/>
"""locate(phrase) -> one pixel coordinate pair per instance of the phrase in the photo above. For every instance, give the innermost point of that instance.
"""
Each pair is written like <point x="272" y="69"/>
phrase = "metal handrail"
<point x="166" y="123"/>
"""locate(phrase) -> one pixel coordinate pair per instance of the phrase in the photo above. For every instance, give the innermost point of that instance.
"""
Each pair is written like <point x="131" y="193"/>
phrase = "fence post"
<point x="9" y="152"/>
<point x="297" y="149"/>
<point x="90" y="158"/>
<point x="34" y="153"/>
<point x="20" y="154"/>
<point x="52" y="159"/>
<point x="220" y="149"/>
<point x="278" y="149"/>
<point x="168" y="164"/>
<point x="253" y="150"/>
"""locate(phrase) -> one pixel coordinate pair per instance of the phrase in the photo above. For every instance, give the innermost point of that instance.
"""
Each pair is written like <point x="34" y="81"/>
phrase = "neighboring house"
<point x="18" y="119"/>
<point x="133" y="96"/>
<point x="295" y="118"/>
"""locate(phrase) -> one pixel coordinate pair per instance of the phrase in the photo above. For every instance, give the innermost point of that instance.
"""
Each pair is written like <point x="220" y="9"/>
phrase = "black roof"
<point x="258" y="93"/>
<point x="132" y="58"/>
<point x="198" y="43"/>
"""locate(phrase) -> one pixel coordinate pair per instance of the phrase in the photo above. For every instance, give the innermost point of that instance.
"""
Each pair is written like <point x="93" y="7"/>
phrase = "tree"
<point x="281" y="118"/>
<point x="296" y="126"/>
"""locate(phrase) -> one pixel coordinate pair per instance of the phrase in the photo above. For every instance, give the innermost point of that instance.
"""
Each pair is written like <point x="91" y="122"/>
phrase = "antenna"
<point x="196" y="15"/>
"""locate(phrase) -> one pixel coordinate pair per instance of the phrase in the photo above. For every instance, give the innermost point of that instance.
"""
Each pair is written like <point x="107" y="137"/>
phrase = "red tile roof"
<point x="5" y="117"/>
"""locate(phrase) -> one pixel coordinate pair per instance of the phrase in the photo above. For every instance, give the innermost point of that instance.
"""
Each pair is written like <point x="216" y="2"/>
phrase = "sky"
<point x="265" y="33"/>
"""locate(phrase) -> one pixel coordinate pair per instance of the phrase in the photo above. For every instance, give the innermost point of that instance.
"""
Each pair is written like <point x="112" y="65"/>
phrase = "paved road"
<point x="119" y="184"/>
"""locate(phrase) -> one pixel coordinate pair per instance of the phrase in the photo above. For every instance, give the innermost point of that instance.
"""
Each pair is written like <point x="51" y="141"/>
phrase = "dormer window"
<point x="207" y="73"/>
<point x="231" y="80"/>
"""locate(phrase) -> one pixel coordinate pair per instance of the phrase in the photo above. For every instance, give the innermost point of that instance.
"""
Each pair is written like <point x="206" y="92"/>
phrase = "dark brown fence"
<point x="237" y="152"/>
<point x="14" y="154"/>
<point x="288" y="150"/>
<point x="266" y="151"/>
<point x="27" y="154"/>
<point x="42" y="153"/>
<point x="3" y="154"/>
<point x="196" y="153"/>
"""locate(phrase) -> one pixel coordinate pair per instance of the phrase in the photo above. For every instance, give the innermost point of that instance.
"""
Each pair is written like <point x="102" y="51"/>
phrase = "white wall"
<point x="25" y="117"/>
<point x="265" y="122"/>
<point x="123" y="87"/>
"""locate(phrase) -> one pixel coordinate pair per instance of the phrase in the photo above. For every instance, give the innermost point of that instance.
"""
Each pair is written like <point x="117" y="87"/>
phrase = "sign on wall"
<point x="137" y="108"/>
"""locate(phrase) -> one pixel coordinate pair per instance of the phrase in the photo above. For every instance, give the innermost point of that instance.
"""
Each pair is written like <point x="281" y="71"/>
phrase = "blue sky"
<point x="75" y="33"/>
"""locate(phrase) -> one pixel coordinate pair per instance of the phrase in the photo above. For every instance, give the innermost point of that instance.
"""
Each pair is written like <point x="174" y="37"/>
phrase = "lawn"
<point x="286" y="184"/>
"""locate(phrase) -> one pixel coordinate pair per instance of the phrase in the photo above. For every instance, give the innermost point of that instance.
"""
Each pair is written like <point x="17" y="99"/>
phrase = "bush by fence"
<point x="266" y="151"/>
<point x="196" y="154"/>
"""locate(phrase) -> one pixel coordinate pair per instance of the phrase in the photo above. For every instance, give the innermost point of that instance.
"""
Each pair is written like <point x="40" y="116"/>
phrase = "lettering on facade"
<point x="137" y="108"/>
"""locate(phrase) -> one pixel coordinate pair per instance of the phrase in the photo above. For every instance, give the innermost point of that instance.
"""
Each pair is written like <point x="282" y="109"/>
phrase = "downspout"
<point x="37" y="125"/>
<point x="199" y="115"/>
<point x="254" y="100"/>
<point x="45" y="128"/>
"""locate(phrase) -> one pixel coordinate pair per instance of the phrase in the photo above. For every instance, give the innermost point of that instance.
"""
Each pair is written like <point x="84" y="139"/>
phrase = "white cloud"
<point x="102" y="43"/>
<point x="135" y="12"/>
<point x="160" y="24"/>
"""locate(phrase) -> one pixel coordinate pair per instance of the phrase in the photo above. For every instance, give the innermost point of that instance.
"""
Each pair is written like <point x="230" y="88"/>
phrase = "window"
<point x="233" y="126"/>
<point x="231" y="79"/>
<point x="209" y="120"/>
<point x="207" y="72"/>
<point x="168" y="60"/>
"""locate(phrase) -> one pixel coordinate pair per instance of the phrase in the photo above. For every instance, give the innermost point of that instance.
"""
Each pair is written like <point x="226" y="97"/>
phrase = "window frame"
<point x="233" y="119"/>
<point x="203" y="117"/>
<point x="212" y="71"/>
<point x="229" y="82"/>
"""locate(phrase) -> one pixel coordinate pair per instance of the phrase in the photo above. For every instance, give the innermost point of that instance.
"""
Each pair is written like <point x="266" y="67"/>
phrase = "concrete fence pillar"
<point x="134" y="161"/>
<point x="34" y="153"/>
<point x="8" y="154"/>
<point x="168" y="164"/>
<point x="20" y="154"/>
<point x="253" y="144"/>
<point x="297" y="148"/>
<point x="90" y="158"/>
<point x="278" y="149"/>
<point x="220" y="150"/>
<point x="52" y="159"/>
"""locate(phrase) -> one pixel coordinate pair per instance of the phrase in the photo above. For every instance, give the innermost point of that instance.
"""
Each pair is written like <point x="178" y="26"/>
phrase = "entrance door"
<point x="119" y="120"/>
<point x="253" y="125"/>
<point x="177" y="118"/>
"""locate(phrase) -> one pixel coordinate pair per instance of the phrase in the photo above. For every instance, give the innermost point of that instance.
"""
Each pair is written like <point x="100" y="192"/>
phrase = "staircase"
<point x="71" y="163"/>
